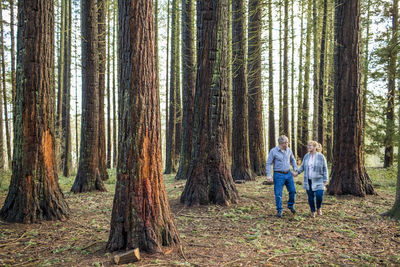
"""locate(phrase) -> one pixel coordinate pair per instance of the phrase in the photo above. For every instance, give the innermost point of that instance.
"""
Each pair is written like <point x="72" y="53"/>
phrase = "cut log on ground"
<point x="127" y="257"/>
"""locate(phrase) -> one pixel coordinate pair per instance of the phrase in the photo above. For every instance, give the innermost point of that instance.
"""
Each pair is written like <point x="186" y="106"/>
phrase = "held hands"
<point x="295" y="174"/>
<point x="269" y="179"/>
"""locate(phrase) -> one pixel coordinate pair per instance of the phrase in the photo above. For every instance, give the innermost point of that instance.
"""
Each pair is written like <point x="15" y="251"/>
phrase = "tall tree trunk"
<point x="240" y="139"/>
<point x="178" y="117"/>
<point x="76" y="100"/>
<point x="321" y="86"/>
<point x="392" y="65"/>
<point x="34" y="193"/>
<point x="102" y="12"/>
<point x="366" y="67"/>
<point x="271" y="106"/>
<point x="285" y="110"/>
<point x="315" y="70"/>
<point x="167" y="93"/>
<point x="210" y="179"/>
<point x="141" y="216"/>
<point x="299" y="147"/>
<point x="189" y="85"/>
<point x="305" y="108"/>
<point x="109" y="126"/>
<point x="60" y="84"/>
<point x="292" y="73"/>
<point x="348" y="172"/>
<point x="255" y="98"/>
<point x="330" y="89"/>
<point x="3" y="67"/>
<point x="280" y="127"/>
<point x="89" y="176"/>
<point x="115" y="133"/>
<point x="230" y="83"/>
<point x="170" y="164"/>
<point x="394" y="212"/>
<point x="12" y="32"/>
<point x="66" y="157"/>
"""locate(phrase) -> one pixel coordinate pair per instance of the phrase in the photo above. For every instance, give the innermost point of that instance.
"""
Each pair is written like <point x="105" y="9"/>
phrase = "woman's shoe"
<point x="319" y="212"/>
<point x="312" y="214"/>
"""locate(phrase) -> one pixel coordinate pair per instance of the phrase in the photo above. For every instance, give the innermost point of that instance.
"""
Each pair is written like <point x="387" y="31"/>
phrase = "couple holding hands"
<point x="315" y="175"/>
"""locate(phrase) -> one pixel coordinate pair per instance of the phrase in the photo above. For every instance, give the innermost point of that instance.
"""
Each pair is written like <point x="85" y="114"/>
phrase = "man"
<point x="281" y="157"/>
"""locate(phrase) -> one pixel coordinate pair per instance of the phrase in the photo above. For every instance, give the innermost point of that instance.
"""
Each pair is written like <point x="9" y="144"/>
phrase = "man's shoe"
<point x="293" y="210"/>
<point x="279" y="214"/>
<point x="319" y="212"/>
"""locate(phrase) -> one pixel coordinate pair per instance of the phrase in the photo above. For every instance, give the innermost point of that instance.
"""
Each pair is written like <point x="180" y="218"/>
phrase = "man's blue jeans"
<point x="280" y="180"/>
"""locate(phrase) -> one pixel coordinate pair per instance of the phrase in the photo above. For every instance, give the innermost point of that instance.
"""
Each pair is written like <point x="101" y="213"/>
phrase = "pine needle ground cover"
<point x="351" y="231"/>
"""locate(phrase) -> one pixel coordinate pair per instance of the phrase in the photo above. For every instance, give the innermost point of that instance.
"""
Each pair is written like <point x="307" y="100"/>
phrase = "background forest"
<point x="128" y="103"/>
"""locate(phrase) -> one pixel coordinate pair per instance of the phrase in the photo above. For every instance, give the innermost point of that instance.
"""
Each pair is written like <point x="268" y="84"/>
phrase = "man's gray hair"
<point x="283" y="139"/>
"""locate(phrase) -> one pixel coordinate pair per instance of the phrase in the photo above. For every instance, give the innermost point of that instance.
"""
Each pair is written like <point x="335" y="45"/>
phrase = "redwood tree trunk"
<point x="141" y="216"/>
<point x="210" y="179"/>
<point x="12" y="33"/>
<point x="285" y="107"/>
<point x="89" y="176"/>
<point x="390" y="119"/>
<point x="34" y="193"/>
<point x="66" y="157"/>
<point x="299" y="144"/>
<point x="240" y="140"/>
<point x="189" y="84"/>
<point x="348" y="172"/>
<point x="102" y="12"/>
<point x="321" y="86"/>
<point x="255" y="98"/>
<point x="3" y="68"/>
<point x="170" y="161"/>
<point x="306" y="87"/>
<point x="271" y="106"/>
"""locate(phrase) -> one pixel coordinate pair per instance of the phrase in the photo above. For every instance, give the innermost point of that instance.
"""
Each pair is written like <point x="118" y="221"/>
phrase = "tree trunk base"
<point x="21" y="207"/>
<point x="243" y="174"/>
<point x="85" y="182"/>
<point x="350" y="182"/>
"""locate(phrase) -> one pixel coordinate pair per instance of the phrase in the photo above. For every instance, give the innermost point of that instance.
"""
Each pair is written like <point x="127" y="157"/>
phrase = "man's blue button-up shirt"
<point x="281" y="160"/>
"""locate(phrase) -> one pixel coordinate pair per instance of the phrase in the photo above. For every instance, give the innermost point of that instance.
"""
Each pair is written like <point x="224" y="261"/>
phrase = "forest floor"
<point x="351" y="231"/>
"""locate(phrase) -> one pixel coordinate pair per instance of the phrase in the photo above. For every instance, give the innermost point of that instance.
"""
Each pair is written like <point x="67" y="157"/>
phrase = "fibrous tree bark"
<point x="89" y="176"/>
<point x="292" y="74"/>
<point x="141" y="216"/>
<point x="210" y="179"/>
<point x="306" y="87"/>
<point x="393" y="48"/>
<point x="115" y="133"/>
<point x="348" y="171"/>
<point x="109" y="126"/>
<point x="315" y="31"/>
<point x="3" y="70"/>
<point x="285" y="88"/>
<point x="240" y="134"/>
<point x="255" y="97"/>
<point x="170" y="161"/>
<point x="321" y="86"/>
<point x="271" y="106"/>
<point x="66" y="157"/>
<point x="189" y="85"/>
<point x="34" y="193"/>
<point x="102" y="12"/>
<point x="299" y="145"/>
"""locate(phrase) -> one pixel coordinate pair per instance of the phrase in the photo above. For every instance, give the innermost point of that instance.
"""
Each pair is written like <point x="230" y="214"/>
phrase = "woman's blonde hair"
<point x="315" y="144"/>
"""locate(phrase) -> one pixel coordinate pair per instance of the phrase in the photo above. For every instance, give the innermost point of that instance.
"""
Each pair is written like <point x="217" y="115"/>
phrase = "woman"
<point x="315" y="176"/>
